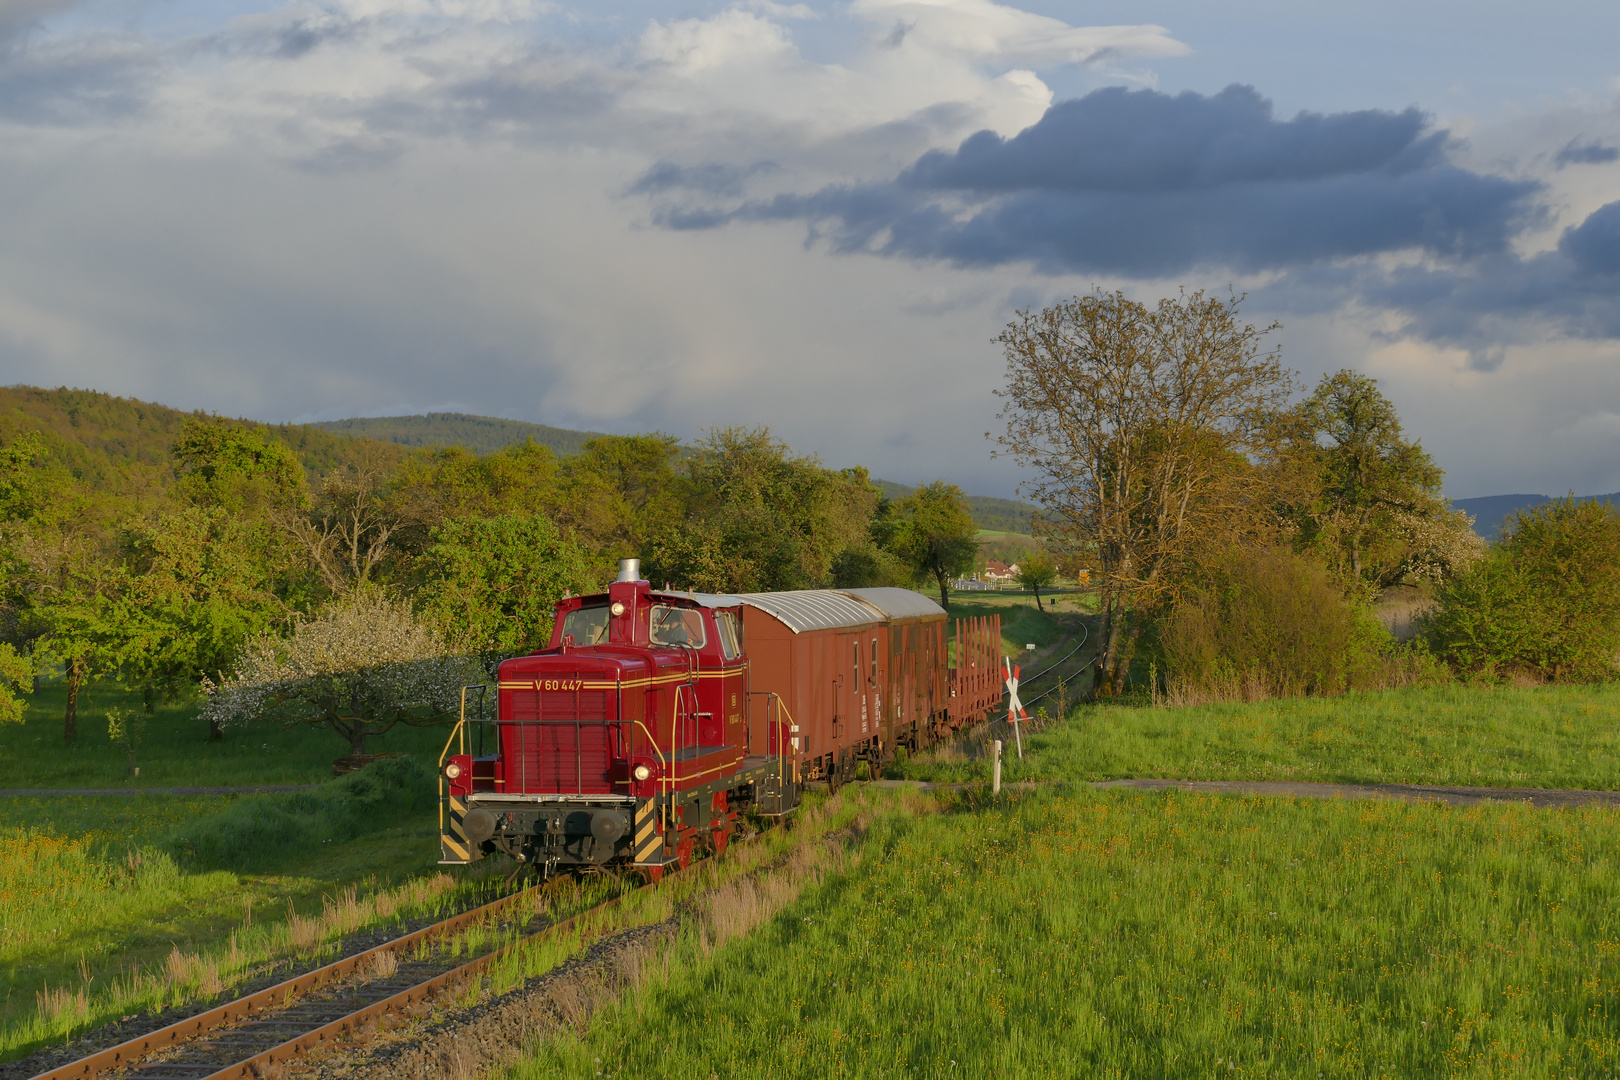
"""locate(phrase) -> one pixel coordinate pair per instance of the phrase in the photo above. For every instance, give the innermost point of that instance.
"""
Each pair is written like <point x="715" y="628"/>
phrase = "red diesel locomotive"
<point x="655" y="718"/>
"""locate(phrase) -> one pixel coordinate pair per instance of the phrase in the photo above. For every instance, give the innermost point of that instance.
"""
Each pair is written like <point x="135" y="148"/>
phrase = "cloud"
<point x="17" y="17"/>
<point x="1572" y="291"/>
<point x="1146" y="184"/>
<point x="1590" y="153"/>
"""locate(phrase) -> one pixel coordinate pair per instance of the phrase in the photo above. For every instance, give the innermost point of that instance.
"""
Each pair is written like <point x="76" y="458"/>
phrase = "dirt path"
<point x="261" y="789"/>
<point x="1454" y="796"/>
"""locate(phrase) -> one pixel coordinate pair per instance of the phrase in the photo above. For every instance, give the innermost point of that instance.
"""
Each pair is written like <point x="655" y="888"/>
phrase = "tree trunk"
<point x="944" y="590"/>
<point x="1038" y="605"/>
<point x="70" y="717"/>
<point x="355" y="732"/>
<point x="1100" y="683"/>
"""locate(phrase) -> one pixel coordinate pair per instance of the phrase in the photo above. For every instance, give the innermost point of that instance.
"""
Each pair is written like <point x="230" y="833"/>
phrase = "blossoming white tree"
<point x="362" y="666"/>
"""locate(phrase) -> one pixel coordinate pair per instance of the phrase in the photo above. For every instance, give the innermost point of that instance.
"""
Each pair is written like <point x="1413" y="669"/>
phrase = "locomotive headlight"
<point x="617" y="609"/>
<point x="641" y="772"/>
<point x="452" y="770"/>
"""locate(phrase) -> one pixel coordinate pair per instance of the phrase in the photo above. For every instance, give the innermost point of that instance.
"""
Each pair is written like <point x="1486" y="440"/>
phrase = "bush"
<point x="255" y="831"/>
<point x="1269" y="623"/>
<point x="1545" y="603"/>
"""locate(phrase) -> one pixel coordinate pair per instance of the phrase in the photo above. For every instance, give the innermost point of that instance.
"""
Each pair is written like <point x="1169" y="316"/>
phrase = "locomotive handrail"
<point x="662" y="760"/>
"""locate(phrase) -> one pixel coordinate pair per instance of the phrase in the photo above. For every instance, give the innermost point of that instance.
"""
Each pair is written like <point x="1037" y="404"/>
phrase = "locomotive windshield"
<point x="588" y="625"/>
<point x="676" y="626"/>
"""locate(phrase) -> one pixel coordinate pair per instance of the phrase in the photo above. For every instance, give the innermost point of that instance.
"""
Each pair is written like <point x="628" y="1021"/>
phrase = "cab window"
<point x="588" y="625"/>
<point x="676" y="626"/>
<point x="725" y="623"/>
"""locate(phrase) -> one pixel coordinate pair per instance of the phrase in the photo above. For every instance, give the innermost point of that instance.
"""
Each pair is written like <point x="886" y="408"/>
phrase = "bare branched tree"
<point x="346" y="533"/>
<point x="1144" y="428"/>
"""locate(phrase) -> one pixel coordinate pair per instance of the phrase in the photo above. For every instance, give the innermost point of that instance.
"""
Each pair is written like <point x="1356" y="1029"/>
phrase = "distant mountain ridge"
<point x="1490" y="512"/>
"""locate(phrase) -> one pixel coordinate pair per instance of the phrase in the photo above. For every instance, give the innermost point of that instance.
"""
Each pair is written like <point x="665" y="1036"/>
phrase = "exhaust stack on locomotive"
<point x="645" y="729"/>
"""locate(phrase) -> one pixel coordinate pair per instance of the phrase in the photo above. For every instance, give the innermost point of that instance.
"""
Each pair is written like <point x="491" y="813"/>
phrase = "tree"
<point x="1376" y="512"/>
<point x="620" y="491"/>
<point x="346" y="534"/>
<point x="440" y="484"/>
<point x="22" y="496"/>
<point x="934" y="532"/>
<point x="16" y="679"/>
<point x="361" y="667"/>
<point x="66" y="588"/>
<point x="193" y="594"/>
<point x="1144" y="428"/>
<point x="1545" y="602"/>
<point x="759" y="518"/>
<point x="1037" y="571"/>
<point x="491" y="584"/>
<point x="237" y="468"/>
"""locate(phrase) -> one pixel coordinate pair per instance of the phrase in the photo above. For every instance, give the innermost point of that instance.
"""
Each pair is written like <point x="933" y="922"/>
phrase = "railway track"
<point x="318" y="1009"/>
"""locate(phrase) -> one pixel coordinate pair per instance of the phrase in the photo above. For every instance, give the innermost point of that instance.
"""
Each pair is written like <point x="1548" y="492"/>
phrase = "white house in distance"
<point x="995" y="570"/>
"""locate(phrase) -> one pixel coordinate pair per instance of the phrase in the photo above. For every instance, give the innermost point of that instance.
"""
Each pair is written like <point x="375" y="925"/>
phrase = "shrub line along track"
<point x="272" y="1014"/>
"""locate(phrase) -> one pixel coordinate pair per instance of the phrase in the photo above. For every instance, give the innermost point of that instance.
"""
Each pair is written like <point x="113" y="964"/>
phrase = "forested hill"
<point x="480" y="434"/>
<point x="487" y="434"/>
<point x="98" y="437"/>
<point x="989" y="512"/>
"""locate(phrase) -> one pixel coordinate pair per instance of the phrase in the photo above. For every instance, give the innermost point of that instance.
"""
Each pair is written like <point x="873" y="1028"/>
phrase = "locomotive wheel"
<point x="683" y="852"/>
<point x="722" y="835"/>
<point x="654" y="874"/>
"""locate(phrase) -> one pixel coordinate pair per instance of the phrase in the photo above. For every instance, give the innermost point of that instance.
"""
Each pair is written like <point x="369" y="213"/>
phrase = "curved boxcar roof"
<point x="898" y="603"/>
<point x="815" y="609"/>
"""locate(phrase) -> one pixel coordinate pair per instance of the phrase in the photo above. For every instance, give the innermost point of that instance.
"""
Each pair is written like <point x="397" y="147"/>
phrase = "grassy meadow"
<point x="1553" y="736"/>
<point x="112" y="905"/>
<point x="1155" y="934"/>
<point x="175" y="750"/>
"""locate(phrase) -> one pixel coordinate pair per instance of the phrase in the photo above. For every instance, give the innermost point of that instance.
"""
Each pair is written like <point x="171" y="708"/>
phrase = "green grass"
<point x="176" y="750"/>
<point x="1021" y="622"/>
<point x="96" y="893"/>
<point x="1558" y="736"/>
<point x="1136" y="934"/>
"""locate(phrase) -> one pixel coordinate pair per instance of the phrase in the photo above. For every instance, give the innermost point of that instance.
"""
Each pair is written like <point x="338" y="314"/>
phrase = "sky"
<point x="817" y="217"/>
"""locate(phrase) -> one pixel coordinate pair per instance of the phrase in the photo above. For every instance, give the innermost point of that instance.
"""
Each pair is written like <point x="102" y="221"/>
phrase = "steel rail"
<point x="249" y="1068"/>
<point x="279" y="996"/>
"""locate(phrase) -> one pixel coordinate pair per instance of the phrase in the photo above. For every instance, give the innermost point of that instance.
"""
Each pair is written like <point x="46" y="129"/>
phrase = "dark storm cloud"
<point x="711" y="179"/>
<point x="1592" y="153"/>
<point x="1573" y="291"/>
<point x="1148" y="184"/>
